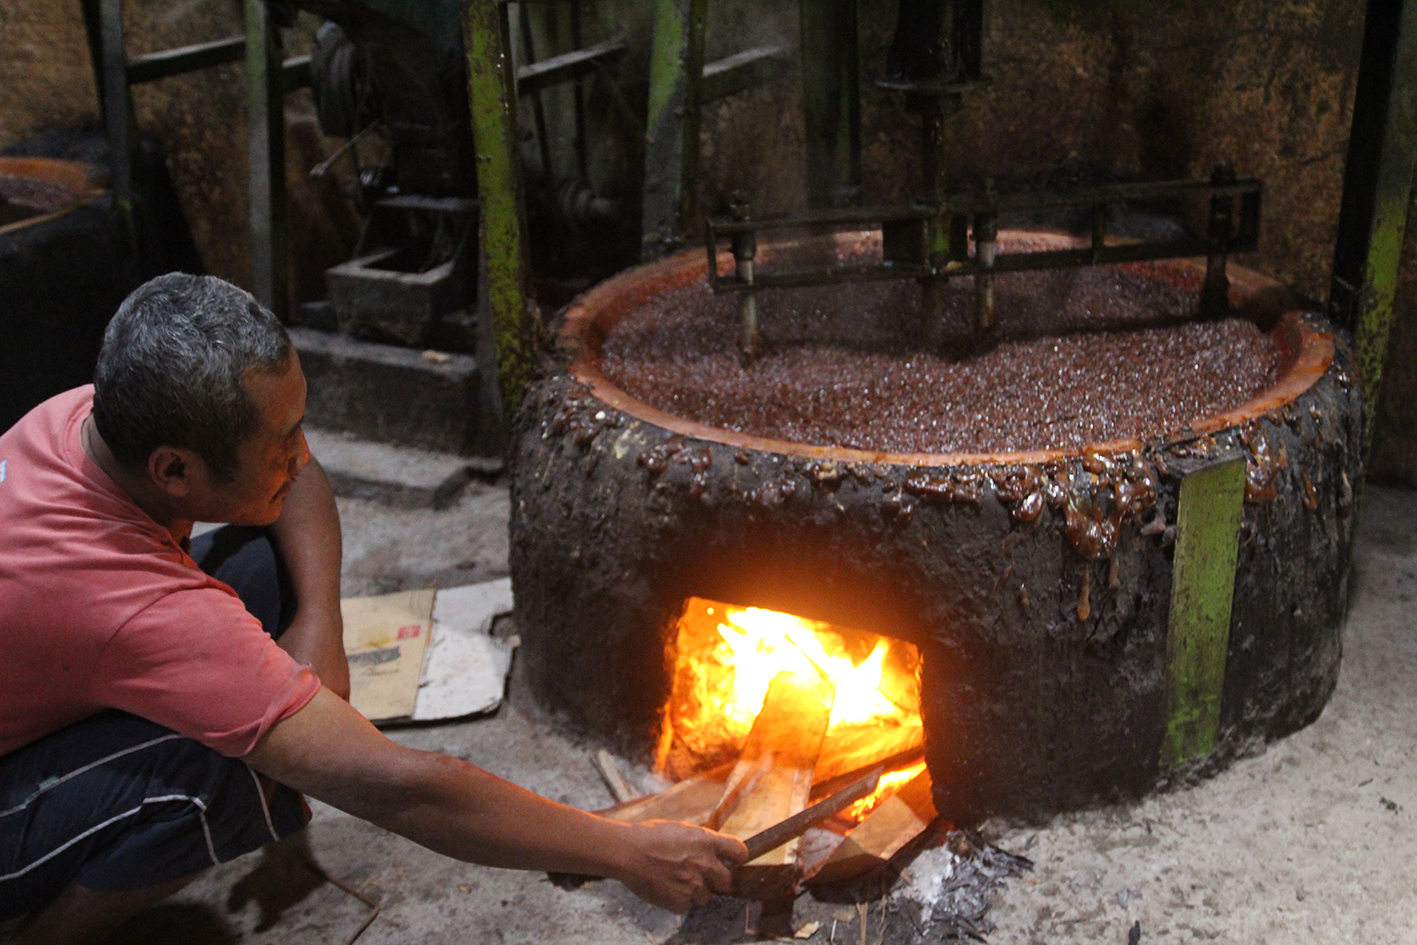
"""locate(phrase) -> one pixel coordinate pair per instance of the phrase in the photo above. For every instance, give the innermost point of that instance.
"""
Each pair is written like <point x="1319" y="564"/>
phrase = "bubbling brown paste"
<point x="845" y="365"/>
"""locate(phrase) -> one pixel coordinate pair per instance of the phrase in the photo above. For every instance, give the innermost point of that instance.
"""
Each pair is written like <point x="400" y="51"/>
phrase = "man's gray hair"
<point x="172" y="368"/>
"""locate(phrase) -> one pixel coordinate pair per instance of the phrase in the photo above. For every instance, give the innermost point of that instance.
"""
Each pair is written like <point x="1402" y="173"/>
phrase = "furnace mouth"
<point x="1304" y="352"/>
<point x="725" y="657"/>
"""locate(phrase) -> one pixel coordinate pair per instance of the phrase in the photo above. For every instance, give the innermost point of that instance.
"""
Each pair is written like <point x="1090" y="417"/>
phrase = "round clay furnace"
<point x="1035" y="580"/>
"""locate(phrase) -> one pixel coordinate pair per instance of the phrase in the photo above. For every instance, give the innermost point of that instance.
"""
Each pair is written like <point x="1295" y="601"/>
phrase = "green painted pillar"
<point x="672" y="130"/>
<point x="831" y="100"/>
<point x="1377" y="183"/>
<point x="491" y="95"/>
<point x="1202" y="587"/>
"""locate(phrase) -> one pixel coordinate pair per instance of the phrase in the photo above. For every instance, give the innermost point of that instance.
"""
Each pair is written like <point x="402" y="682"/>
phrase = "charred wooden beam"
<point x="898" y="820"/>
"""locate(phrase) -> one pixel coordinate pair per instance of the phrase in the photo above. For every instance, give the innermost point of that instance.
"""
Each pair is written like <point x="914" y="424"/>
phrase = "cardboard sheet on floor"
<point x="427" y="654"/>
<point x="465" y="671"/>
<point x="384" y="639"/>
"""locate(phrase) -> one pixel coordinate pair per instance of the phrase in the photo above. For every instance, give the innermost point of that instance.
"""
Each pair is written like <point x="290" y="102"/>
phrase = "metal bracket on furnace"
<point x="930" y="240"/>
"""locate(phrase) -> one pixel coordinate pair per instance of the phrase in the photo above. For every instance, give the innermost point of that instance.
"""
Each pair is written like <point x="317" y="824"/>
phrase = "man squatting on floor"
<point x="167" y="701"/>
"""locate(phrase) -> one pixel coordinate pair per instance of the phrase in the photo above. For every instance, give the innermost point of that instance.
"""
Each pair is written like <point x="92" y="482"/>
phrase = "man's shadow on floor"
<point x="283" y="877"/>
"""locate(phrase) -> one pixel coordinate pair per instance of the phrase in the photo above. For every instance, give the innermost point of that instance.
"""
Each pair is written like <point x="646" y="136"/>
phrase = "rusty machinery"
<point x="934" y="61"/>
<point x="391" y="79"/>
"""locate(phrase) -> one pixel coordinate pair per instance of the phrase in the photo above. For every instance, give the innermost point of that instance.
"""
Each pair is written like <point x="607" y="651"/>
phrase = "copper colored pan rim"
<point x="1307" y="352"/>
<point x="83" y="181"/>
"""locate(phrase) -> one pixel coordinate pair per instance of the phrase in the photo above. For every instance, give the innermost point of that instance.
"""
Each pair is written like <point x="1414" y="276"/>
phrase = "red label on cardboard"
<point x="410" y="631"/>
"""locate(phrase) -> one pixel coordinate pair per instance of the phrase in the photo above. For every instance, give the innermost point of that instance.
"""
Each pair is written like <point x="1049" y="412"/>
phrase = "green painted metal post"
<point x="831" y="99"/>
<point x="516" y="321"/>
<point x="1377" y="184"/>
<point x="672" y="130"/>
<point x="1202" y="586"/>
<point x="265" y="137"/>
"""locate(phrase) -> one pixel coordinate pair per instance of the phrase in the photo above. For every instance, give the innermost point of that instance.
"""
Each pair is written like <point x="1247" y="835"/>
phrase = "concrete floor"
<point x="1312" y="841"/>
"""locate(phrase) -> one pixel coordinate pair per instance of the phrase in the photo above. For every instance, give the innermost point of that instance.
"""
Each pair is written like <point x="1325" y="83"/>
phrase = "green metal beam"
<point x="265" y="141"/>
<point x="1202" y="587"/>
<point x="831" y="98"/>
<point x="672" y="129"/>
<point x="1377" y="184"/>
<point x="491" y="94"/>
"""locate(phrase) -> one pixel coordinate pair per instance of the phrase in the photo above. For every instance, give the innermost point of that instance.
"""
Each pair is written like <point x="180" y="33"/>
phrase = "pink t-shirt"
<point x="101" y="608"/>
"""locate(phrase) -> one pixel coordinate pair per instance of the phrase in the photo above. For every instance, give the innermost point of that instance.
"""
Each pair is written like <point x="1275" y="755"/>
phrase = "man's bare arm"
<point x="329" y="751"/>
<point x="307" y="534"/>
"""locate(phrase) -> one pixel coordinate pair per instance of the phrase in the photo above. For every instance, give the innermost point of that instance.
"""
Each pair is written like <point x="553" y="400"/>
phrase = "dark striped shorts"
<point x="117" y="802"/>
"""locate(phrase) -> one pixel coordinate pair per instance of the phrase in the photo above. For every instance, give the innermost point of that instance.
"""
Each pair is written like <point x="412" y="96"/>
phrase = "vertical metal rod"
<point x="749" y="338"/>
<point x="831" y="100"/>
<point x="538" y="111"/>
<point x="93" y="32"/>
<point x="582" y="146"/>
<point x="932" y="290"/>
<point x="265" y="130"/>
<point x="506" y="270"/>
<point x="745" y="248"/>
<point x="1099" y="230"/>
<point x="672" y="129"/>
<point x="1377" y="182"/>
<point x="116" y="108"/>
<point x="1215" y="293"/>
<point x="986" y="234"/>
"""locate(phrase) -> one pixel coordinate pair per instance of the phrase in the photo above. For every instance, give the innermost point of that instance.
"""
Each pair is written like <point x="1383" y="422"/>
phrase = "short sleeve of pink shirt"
<point x="197" y="662"/>
<point x="100" y="608"/>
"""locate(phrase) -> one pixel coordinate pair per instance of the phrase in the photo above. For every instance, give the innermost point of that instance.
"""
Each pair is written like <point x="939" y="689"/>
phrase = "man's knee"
<point x="116" y="802"/>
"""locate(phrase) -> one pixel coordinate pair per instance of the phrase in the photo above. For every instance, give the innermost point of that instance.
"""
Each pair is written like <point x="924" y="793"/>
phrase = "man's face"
<point x="271" y="457"/>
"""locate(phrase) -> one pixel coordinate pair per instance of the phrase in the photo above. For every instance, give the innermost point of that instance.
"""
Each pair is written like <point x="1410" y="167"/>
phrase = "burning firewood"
<point x="691" y="800"/>
<point x="849" y="748"/>
<point x="772" y="779"/>
<point x="890" y="765"/>
<point x="896" y="821"/>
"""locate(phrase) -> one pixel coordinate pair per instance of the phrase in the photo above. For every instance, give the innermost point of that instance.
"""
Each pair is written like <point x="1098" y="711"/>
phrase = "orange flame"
<point x="727" y="656"/>
<point x="890" y="782"/>
<point x="763" y="643"/>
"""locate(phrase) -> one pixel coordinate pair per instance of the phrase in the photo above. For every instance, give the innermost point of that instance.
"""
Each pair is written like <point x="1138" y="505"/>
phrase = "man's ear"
<point x="174" y="470"/>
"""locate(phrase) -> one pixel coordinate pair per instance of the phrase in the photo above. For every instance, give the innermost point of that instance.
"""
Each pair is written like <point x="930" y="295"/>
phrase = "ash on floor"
<point x="1312" y="841"/>
<point x="943" y="889"/>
